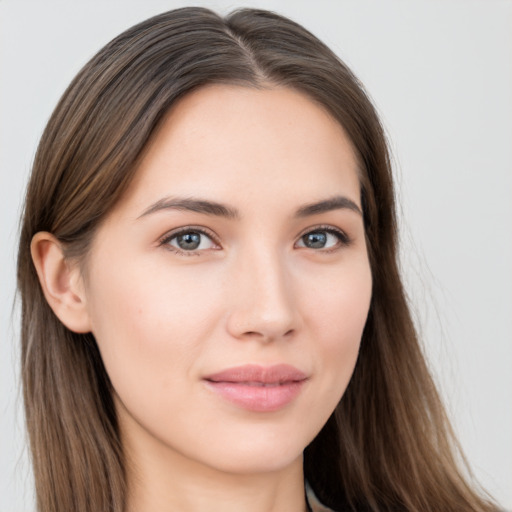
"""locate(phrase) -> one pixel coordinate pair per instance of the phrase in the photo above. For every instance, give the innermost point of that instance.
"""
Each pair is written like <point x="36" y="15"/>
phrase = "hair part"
<point x="388" y="445"/>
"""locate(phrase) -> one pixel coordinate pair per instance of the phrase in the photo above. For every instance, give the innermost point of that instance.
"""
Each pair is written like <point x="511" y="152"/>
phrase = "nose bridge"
<point x="263" y="304"/>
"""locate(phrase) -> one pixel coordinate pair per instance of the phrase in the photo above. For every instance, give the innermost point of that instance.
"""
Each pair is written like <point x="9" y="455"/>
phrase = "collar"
<point x="313" y="503"/>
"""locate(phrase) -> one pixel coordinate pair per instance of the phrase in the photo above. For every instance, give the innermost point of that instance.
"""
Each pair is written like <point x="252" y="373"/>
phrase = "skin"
<point x="254" y="291"/>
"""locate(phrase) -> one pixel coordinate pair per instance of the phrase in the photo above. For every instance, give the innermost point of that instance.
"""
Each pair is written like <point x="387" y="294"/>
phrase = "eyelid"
<point x="342" y="236"/>
<point x="165" y="239"/>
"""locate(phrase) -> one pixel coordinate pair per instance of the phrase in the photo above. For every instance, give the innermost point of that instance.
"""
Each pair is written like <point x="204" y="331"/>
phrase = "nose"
<point x="263" y="304"/>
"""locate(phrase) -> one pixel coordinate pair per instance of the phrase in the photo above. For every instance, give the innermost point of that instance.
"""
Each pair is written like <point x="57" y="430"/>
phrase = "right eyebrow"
<point x="327" y="205"/>
<point x="192" y="205"/>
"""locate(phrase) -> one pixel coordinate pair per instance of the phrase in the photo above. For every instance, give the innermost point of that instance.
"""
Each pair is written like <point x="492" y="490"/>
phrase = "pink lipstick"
<point x="258" y="388"/>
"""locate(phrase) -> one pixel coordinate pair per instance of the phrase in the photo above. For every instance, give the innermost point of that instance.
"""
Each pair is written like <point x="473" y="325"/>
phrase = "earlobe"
<point x="61" y="282"/>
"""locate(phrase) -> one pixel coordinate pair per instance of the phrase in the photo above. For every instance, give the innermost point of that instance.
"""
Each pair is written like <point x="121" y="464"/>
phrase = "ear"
<point x="61" y="282"/>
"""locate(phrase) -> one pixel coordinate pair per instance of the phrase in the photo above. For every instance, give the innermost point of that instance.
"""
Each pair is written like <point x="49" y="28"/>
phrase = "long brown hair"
<point x="388" y="445"/>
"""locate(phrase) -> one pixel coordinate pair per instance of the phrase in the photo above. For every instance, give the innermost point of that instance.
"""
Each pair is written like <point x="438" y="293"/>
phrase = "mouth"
<point x="258" y="388"/>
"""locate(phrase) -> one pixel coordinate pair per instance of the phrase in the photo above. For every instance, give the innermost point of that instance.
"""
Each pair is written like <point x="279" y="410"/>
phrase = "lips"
<point x="258" y="388"/>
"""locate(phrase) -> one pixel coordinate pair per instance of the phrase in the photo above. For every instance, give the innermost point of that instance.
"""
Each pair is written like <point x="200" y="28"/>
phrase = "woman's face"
<point x="229" y="288"/>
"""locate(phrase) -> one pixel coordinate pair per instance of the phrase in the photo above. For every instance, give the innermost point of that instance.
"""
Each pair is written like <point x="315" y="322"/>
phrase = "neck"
<point x="163" y="480"/>
<point x="186" y="488"/>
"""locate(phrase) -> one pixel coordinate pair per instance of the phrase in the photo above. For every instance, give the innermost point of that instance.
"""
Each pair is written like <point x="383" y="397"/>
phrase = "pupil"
<point x="315" y="240"/>
<point x="189" y="241"/>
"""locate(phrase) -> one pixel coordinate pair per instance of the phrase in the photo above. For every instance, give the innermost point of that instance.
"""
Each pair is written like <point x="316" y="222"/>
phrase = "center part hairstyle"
<point x="388" y="445"/>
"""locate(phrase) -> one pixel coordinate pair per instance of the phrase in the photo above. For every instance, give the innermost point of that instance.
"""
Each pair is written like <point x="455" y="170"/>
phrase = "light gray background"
<point x="440" y="73"/>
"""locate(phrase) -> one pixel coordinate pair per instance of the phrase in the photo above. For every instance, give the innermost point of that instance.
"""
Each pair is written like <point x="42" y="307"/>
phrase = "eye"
<point x="189" y="241"/>
<point x="323" y="238"/>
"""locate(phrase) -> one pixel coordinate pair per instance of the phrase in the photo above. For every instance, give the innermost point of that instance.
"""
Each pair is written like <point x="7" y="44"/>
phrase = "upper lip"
<point x="274" y="374"/>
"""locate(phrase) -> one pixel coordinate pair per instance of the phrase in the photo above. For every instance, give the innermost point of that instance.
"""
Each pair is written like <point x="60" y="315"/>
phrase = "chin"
<point x="251" y="463"/>
<point x="256" y="452"/>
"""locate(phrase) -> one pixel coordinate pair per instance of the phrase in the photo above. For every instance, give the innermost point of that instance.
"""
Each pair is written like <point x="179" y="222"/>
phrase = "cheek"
<point x="146" y="328"/>
<point x="338" y="310"/>
<point x="338" y="302"/>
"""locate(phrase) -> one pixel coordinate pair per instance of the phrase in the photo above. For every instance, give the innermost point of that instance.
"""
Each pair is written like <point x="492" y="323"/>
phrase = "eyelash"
<point x="188" y="229"/>
<point x="343" y="238"/>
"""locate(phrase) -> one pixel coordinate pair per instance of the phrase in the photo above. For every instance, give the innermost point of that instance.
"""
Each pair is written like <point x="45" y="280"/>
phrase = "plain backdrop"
<point x="440" y="73"/>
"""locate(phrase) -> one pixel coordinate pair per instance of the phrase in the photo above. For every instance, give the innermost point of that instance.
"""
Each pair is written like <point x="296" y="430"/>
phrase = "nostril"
<point x="268" y="336"/>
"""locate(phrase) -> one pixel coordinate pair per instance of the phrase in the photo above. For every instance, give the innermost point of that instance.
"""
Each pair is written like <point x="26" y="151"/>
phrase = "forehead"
<point x="235" y="142"/>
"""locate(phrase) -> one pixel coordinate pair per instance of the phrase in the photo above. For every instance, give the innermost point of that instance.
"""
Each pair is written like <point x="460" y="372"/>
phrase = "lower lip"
<point x="258" y="398"/>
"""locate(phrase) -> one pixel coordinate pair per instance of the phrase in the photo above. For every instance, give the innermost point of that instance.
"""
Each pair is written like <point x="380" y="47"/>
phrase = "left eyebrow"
<point x="327" y="205"/>
<point x="197" y="205"/>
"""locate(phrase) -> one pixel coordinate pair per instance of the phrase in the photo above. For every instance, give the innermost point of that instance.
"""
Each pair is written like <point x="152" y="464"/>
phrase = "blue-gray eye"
<point x="190" y="241"/>
<point x="321" y="239"/>
<point x="315" y="240"/>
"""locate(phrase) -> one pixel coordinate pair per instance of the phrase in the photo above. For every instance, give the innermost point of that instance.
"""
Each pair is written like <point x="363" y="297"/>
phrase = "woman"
<point x="212" y="313"/>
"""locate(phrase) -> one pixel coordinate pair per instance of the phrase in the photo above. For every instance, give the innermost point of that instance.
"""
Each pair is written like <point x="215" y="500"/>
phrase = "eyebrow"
<point x="192" y="205"/>
<point x="214" y="208"/>
<point x="327" y="205"/>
